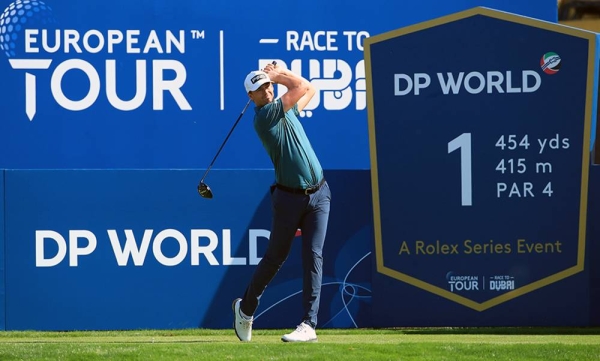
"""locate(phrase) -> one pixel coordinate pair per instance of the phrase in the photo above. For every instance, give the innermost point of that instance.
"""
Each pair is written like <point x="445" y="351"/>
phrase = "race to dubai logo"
<point x="550" y="63"/>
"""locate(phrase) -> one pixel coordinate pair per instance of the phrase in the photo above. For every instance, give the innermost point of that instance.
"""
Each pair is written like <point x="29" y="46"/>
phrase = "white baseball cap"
<point x="255" y="79"/>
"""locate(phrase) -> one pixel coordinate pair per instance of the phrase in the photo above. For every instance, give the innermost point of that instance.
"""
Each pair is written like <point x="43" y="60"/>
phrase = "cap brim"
<point x="258" y="84"/>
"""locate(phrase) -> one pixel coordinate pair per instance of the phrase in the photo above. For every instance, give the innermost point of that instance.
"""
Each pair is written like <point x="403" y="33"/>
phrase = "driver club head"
<point x="204" y="190"/>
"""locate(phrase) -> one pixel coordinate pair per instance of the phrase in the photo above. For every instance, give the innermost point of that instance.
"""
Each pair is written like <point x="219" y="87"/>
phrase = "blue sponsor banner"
<point x="480" y="153"/>
<point x="2" y="258"/>
<point x="141" y="249"/>
<point x="139" y="84"/>
<point x="157" y="85"/>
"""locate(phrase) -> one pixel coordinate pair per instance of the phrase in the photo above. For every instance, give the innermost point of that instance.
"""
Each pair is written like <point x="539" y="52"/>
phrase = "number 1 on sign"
<point x="463" y="142"/>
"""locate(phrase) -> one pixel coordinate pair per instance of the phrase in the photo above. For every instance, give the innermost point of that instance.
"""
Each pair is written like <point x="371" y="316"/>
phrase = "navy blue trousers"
<point x="291" y="211"/>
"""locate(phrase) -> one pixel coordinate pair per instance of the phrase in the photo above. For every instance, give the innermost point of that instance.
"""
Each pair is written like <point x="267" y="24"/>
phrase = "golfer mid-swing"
<point x="300" y="197"/>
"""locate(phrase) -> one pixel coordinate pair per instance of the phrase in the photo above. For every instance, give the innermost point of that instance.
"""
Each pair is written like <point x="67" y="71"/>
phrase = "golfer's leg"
<point x="287" y="210"/>
<point x="314" y="229"/>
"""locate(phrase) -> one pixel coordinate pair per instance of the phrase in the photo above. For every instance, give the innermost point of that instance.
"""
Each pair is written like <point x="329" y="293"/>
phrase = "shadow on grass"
<point x="498" y="331"/>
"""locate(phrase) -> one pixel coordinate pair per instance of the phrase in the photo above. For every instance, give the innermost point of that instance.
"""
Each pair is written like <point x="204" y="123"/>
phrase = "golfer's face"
<point x="262" y="95"/>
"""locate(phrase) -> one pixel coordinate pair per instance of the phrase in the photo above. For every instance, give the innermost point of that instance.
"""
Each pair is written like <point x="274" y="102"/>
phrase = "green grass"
<point x="546" y="344"/>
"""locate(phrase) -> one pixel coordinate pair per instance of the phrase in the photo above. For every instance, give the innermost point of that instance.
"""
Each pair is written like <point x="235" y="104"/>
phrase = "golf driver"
<point x="203" y="188"/>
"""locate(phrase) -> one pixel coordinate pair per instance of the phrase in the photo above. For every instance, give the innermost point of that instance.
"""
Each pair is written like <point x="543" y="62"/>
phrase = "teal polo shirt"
<point x="282" y="135"/>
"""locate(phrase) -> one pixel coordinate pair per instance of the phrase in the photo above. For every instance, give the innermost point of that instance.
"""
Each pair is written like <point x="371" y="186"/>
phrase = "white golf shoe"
<point x="302" y="333"/>
<point x="241" y="325"/>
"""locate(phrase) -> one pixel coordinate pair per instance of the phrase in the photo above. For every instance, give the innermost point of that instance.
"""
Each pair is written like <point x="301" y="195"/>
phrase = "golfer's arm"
<point x="306" y="97"/>
<point x="298" y="89"/>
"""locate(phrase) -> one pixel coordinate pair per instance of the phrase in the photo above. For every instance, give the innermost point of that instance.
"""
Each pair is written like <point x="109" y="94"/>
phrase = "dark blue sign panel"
<point x="140" y="249"/>
<point x="480" y="126"/>
<point x="593" y="250"/>
<point x="158" y="84"/>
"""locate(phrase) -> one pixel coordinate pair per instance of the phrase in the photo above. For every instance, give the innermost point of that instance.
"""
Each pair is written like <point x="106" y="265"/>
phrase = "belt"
<point x="306" y="191"/>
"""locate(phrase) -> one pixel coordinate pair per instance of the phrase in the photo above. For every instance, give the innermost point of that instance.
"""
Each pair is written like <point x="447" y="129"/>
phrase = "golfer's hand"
<point x="271" y="66"/>
<point x="274" y="72"/>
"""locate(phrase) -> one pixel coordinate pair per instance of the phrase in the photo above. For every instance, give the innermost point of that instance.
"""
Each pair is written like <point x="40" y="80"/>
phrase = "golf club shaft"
<point x="227" y="137"/>
<point x="225" y="141"/>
